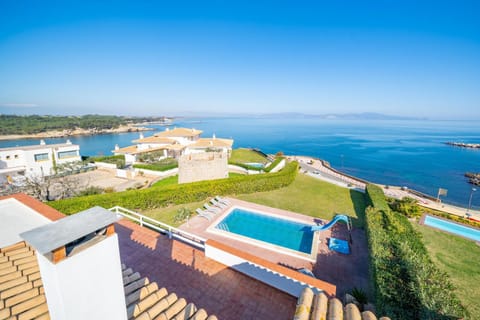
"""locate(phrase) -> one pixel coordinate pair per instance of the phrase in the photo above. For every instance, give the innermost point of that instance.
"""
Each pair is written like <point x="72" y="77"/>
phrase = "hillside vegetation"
<point x="13" y="124"/>
<point x="407" y="283"/>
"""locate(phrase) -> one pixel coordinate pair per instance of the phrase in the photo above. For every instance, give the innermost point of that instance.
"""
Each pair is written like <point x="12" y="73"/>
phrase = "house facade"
<point x="37" y="159"/>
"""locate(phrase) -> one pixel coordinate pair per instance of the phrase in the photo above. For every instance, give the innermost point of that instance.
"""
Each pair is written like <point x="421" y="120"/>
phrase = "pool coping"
<point x="311" y="257"/>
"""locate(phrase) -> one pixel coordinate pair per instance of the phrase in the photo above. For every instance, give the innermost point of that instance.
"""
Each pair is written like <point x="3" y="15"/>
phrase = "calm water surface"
<point x="404" y="153"/>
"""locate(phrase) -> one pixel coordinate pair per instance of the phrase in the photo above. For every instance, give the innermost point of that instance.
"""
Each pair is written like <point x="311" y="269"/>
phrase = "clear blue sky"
<point x="418" y="58"/>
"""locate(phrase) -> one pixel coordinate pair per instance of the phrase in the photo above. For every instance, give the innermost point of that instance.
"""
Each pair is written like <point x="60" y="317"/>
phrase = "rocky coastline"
<point x="464" y="145"/>
<point x="74" y="132"/>
<point x="473" y="178"/>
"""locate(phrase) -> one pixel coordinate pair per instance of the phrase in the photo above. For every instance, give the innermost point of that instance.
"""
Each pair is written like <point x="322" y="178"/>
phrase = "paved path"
<point x="315" y="168"/>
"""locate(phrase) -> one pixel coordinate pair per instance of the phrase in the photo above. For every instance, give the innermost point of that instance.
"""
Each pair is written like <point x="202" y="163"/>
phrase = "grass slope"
<point x="246" y="155"/>
<point x="315" y="198"/>
<point x="460" y="258"/>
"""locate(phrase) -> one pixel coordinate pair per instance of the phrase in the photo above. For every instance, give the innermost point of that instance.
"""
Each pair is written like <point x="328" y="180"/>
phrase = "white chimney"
<point x="166" y="129"/>
<point x="117" y="147"/>
<point x="79" y="261"/>
<point x="214" y="137"/>
<point x="141" y="136"/>
<point x="42" y="142"/>
<point x="68" y="141"/>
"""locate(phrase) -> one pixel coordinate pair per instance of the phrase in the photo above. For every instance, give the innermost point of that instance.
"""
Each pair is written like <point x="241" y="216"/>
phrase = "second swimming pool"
<point x="451" y="227"/>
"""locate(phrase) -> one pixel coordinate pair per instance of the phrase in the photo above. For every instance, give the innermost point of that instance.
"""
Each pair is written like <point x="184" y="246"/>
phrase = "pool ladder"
<point x="223" y="226"/>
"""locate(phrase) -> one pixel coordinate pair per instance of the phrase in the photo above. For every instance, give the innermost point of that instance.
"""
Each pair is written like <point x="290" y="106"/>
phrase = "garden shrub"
<point x="156" y="166"/>
<point x="407" y="284"/>
<point x="162" y="196"/>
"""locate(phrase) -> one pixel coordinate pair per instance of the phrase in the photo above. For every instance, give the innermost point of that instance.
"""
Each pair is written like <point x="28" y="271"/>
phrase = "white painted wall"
<point x="157" y="173"/>
<point x="279" y="166"/>
<point x="26" y="158"/>
<point x="106" y="165"/>
<point x="87" y="285"/>
<point x="15" y="218"/>
<point x="279" y="281"/>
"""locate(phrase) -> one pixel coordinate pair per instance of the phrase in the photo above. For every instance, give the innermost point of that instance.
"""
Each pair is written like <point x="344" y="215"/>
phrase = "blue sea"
<point x="393" y="152"/>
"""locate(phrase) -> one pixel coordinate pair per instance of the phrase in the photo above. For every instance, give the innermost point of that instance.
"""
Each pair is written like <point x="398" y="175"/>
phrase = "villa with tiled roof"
<point x="173" y="143"/>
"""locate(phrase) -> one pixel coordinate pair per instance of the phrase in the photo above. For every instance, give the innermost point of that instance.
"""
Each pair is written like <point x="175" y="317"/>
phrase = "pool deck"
<point x="344" y="271"/>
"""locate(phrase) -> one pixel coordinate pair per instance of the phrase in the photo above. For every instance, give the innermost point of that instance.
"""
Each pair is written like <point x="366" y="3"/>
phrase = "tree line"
<point x="31" y="124"/>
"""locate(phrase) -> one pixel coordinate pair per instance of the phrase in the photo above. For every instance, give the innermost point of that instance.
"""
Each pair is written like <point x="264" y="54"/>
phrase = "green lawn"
<point x="166" y="182"/>
<point x="315" y="198"/>
<point x="167" y="215"/>
<point x="305" y="195"/>
<point x="460" y="258"/>
<point x="246" y="155"/>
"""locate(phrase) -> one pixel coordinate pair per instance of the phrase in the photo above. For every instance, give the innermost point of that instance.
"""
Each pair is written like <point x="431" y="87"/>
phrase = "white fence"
<point x="161" y="227"/>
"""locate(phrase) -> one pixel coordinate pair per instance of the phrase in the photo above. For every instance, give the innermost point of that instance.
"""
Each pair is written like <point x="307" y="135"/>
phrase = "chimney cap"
<point x="52" y="236"/>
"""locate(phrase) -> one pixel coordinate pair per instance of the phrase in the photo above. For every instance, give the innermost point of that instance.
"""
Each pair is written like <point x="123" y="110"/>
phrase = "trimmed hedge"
<point x="156" y="167"/>
<point x="407" y="283"/>
<point x="155" y="197"/>
<point x="376" y="197"/>
<point x="273" y="164"/>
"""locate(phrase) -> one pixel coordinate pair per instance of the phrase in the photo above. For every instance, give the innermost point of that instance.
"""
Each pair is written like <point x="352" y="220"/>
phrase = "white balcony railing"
<point x="161" y="227"/>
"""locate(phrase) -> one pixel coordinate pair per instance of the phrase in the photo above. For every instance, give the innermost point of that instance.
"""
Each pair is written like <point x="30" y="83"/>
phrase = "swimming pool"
<point x="454" y="228"/>
<point x="268" y="229"/>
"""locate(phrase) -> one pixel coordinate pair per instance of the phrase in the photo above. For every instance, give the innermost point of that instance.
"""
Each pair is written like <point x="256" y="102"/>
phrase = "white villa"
<point x="37" y="159"/>
<point x="173" y="143"/>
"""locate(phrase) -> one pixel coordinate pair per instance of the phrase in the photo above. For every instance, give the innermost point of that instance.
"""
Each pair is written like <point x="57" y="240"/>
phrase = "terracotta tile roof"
<point x="135" y="150"/>
<point x="154" y="139"/>
<point x="145" y="301"/>
<point x="21" y="289"/>
<point x="22" y="295"/>
<point x="319" y="306"/>
<point x="179" y="132"/>
<point x="175" y="147"/>
<point x="211" y="143"/>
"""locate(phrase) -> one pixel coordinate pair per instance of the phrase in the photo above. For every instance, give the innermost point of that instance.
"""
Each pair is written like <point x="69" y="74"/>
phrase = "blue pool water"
<point x="280" y="232"/>
<point x="451" y="227"/>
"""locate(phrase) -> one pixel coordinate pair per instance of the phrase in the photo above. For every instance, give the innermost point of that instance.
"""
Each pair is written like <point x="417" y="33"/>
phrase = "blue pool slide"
<point x="338" y="217"/>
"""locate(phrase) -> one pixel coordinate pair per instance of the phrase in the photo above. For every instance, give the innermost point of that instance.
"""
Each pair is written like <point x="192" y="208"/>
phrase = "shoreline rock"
<point x="74" y="132"/>
<point x="473" y="178"/>
<point x="464" y="145"/>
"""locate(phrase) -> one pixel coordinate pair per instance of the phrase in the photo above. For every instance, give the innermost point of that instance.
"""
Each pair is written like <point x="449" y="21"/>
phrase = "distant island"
<point x="40" y="126"/>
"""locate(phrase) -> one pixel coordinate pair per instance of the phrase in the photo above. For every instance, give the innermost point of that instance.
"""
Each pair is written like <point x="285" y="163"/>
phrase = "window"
<point x="67" y="154"/>
<point x="16" y="156"/>
<point x="8" y="157"/>
<point x="41" y="157"/>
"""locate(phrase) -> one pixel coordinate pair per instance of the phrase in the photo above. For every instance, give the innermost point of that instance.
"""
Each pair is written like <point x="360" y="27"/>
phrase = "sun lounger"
<point x="209" y="208"/>
<point x="218" y="204"/>
<point x="204" y="214"/>
<point x="222" y="200"/>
